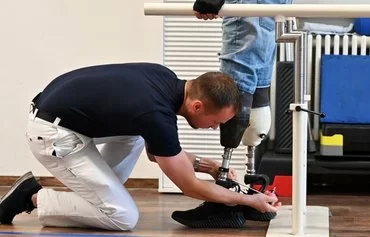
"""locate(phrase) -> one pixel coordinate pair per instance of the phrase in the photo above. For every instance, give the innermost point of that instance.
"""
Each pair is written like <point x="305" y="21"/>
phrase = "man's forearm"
<point x="205" y="165"/>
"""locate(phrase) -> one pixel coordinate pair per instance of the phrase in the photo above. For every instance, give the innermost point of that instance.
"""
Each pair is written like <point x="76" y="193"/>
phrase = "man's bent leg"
<point x="98" y="200"/>
<point x="121" y="153"/>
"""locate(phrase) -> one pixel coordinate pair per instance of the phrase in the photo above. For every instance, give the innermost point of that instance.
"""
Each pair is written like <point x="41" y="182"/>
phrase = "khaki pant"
<point x="95" y="176"/>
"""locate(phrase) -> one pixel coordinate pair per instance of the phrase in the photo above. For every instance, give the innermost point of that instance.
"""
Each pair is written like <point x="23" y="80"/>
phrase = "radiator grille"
<point x="191" y="48"/>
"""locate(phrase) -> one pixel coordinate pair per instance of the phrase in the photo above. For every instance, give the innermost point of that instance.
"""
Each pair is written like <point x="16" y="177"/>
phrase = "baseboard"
<point x="53" y="182"/>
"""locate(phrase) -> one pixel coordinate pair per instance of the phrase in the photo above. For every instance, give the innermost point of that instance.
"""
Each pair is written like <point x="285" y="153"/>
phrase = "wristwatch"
<point x="196" y="163"/>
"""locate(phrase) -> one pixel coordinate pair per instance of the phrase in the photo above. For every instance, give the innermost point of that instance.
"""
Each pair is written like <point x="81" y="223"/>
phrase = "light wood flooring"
<point x="350" y="217"/>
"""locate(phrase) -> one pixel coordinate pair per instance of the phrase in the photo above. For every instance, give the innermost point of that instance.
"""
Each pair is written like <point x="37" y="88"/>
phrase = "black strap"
<point x="45" y="116"/>
<point x="42" y="114"/>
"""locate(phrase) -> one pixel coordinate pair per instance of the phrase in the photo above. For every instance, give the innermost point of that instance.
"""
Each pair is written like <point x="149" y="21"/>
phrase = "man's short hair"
<point x="216" y="89"/>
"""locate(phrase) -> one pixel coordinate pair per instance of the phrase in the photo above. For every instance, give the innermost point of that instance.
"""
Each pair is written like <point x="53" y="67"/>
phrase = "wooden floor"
<point x="350" y="217"/>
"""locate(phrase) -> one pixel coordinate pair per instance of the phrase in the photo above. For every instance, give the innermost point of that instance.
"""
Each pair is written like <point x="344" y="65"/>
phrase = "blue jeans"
<point x="248" y="48"/>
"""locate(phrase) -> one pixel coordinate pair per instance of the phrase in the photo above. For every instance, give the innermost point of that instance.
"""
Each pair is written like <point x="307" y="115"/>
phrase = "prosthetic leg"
<point x="260" y="122"/>
<point x="236" y="130"/>
<point x="231" y="134"/>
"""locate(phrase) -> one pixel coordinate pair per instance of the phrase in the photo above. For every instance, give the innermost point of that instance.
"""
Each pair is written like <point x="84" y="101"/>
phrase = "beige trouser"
<point x="95" y="176"/>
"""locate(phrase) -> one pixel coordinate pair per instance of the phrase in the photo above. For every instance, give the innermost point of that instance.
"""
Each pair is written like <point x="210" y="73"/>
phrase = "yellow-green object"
<point x="331" y="145"/>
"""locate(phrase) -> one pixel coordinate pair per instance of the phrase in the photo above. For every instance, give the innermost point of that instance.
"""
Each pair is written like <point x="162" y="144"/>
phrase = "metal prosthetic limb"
<point x="259" y="119"/>
<point x="231" y="134"/>
<point x="259" y="126"/>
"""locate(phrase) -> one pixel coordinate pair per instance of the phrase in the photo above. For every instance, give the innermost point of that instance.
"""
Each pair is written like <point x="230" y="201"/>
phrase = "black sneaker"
<point x="18" y="198"/>
<point x="211" y="215"/>
<point x="254" y="215"/>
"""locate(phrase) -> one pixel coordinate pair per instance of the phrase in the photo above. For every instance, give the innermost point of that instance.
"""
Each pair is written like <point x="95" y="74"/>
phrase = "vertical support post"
<point x="299" y="138"/>
<point x="299" y="159"/>
<point x="299" y="170"/>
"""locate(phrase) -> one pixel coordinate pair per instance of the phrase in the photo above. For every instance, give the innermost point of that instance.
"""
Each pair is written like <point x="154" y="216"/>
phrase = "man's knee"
<point x="125" y="218"/>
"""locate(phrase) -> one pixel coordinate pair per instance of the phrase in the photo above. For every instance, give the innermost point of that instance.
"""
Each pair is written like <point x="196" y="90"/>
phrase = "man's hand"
<point x="207" y="9"/>
<point x="266" y="202"/>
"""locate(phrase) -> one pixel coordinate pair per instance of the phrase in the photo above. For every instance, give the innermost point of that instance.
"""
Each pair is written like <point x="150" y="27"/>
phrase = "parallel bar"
<point x="272" y="10"/>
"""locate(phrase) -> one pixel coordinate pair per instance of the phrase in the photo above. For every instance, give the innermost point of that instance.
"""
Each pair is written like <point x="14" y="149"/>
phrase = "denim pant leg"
<point x="248" y="48"/>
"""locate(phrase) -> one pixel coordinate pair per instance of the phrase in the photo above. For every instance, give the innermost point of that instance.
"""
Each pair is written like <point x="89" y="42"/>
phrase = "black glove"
<point x="208" y="6"/>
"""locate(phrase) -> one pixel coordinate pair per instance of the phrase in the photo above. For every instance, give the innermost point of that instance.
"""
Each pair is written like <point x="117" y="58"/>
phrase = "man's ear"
<point x="197" y="106"/>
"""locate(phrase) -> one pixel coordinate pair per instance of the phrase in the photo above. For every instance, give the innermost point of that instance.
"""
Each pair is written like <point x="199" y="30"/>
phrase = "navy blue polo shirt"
<point x="119" y="99"/>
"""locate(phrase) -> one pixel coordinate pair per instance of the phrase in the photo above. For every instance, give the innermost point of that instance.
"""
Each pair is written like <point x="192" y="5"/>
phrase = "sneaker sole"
<point x="21" y="179"/>
<point x="254" y="215"/>
<point x="235" y="221"/>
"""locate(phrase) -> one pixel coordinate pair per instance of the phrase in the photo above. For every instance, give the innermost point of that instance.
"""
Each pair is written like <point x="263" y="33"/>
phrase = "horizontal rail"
<point x="272" y="10"/>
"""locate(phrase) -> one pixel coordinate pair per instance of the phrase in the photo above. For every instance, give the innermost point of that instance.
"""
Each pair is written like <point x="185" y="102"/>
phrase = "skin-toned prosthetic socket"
<point x="260" y="123"/>
<point x="259" y="126"/>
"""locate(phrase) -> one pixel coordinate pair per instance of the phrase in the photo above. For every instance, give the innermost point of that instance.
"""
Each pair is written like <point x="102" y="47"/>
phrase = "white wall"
<point x="41" y="39"/>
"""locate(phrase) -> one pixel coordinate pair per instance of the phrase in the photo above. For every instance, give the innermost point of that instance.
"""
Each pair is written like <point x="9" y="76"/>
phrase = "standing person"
<point x="247" y="56"/>
<point x="125" y="107"/>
